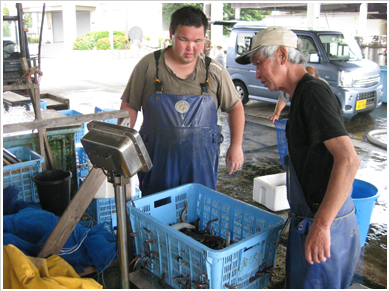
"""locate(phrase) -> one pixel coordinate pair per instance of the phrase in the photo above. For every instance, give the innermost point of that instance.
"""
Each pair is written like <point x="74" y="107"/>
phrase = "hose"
<point x="371" y="138"/>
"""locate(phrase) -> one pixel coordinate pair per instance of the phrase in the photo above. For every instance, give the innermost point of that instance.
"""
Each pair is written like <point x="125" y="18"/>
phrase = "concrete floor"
<point x="89" y="82"/>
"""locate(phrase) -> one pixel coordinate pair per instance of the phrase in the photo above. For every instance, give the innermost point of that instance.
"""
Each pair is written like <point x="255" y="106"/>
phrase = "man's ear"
<point x="282" y="54"/>
<point x="170" y="33"/>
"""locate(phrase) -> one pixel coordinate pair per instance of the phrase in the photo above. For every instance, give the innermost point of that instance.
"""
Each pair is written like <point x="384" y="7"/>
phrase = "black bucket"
<point x="54" y="190"/>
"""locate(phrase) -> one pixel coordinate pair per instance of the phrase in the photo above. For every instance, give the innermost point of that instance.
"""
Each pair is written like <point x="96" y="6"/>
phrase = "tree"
<point x="27" y="18"/>
<point x="170" y="8"/>
<point x="6" y="24"/>
<point x="246" y="14"/>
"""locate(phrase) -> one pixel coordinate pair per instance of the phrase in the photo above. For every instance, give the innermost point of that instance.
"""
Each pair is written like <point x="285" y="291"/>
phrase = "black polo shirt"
<point x="314" y="117"/>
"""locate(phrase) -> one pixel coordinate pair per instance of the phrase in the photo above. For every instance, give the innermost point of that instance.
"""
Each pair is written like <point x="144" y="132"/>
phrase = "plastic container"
<point x="54" y="190"/>
<point x="43" y="105"/>
<point x="103" y="210"/>
<point x="62" y="145"/>
<point x="21" y="174"/>
<point x="280" y="127"/>
<point x="106" y="191"/>
<point x="364" y="196"/>
<point x="271" y="191"/>
<point x="81" y="164"/>
<point x="254" y="231"/>
<point x="72" y="113"/>
<point x="111" y="121"/>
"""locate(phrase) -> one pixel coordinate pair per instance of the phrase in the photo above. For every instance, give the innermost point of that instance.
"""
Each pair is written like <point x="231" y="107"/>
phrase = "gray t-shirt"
<point x="141" y="84"/>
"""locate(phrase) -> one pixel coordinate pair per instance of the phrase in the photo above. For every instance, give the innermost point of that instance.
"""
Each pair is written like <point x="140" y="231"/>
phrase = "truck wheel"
<point x="242" y="91"/>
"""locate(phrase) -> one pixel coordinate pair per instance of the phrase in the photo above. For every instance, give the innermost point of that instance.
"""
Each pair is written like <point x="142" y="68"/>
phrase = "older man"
<point x="323" y="244"/>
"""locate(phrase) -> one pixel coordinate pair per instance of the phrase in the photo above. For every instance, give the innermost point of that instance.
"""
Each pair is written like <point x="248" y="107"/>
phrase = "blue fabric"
<point x="88" y="245"/>
<point x="337" y="271"/>
<point x="182" y="137"/>
<point x="280" y="126"/>
<point x="11" y="203"/>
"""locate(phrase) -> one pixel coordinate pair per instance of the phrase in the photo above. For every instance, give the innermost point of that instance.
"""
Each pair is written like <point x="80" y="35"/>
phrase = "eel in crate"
<point x="205" y="236"/>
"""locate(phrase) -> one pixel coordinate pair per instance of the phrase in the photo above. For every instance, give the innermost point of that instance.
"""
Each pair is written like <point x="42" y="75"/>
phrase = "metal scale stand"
<point x="121" y="153"/>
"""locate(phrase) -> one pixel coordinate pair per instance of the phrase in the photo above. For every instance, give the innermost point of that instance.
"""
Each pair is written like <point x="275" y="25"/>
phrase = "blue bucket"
<point x="364" y="196"/>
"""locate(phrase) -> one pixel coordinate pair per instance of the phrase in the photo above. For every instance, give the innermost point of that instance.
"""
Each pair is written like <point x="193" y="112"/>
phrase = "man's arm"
<point x="133" y="113"/>
<point x="278" y="109"/>
<point x="345" y="166"/>
<point x="234" y="155"/>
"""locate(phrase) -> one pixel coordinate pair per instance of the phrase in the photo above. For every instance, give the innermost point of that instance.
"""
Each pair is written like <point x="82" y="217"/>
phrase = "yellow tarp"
<point x="24" y="272"/>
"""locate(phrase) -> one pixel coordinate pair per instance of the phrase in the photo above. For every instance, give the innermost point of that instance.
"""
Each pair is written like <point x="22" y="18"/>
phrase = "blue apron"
<point x="181" y="135"/>
<point x="337" y="271"/>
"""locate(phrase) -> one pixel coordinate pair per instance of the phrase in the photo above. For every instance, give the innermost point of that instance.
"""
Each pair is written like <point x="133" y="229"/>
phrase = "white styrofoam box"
<point x="106" y="191"/>
<point x="271" y="191"/>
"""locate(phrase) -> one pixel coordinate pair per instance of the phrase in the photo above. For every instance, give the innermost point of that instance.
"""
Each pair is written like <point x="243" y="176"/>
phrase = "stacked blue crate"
<point x="21" y="174"/>
<point x="104" y="210"/>
<point x="71" y="113"/>
<point x="111" y="121"/>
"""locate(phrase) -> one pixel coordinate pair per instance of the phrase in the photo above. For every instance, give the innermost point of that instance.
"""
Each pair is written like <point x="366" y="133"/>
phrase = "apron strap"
<point x="205" y="85"/>
<point x="157" y="82"/>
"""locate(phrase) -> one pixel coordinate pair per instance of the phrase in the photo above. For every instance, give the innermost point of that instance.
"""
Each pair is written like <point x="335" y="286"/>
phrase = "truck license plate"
<point x="361" y="104"/>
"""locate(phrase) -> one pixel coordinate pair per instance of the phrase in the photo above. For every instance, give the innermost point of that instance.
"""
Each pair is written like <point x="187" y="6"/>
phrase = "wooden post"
<point x="44" y="147"/>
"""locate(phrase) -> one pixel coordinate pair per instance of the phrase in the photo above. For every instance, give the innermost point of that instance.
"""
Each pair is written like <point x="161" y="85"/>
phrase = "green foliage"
<point x="27" y="18"/>
<point x="84" y="43"/>
<point x="246" y="14"/>
<point x="6" y="24"/>
<point x="100" y="40"/>
<point x="32" y="40"/>
<point x="97" y="35"/>
<point x="120" y="42"/>
<point x="103" y="44"/>
<point x="170" y="8"/>
<point x="119" y="33"/>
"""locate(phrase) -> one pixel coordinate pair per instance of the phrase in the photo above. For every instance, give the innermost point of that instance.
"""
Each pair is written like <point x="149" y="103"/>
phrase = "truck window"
<point x="11" y="47"/>
<point x="244" y="42"/>
<point x="340" y="48"/>
<point x="308" y="48"/>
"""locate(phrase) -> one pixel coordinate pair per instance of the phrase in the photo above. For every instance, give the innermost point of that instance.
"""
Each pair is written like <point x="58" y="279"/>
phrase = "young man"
<point x="179" y="91"/>
<point x="324" y="243"/>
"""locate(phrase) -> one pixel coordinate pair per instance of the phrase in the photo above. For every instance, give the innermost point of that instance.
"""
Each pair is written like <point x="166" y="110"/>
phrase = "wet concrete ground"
<point x="89" y="83"/>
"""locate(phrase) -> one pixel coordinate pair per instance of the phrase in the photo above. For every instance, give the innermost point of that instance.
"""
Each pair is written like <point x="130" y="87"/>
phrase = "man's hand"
<point x="317" y="246"/>
<point x="273" y="117"/>
<point x="234" y="158"/>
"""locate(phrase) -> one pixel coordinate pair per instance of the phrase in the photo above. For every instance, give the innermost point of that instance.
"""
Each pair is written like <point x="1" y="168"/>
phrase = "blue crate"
<point x="81" y="165"/>
<point x="103" y="210"/>
<point x="255" y="232"/>
<point x="42" y="103"/>
<point x="72" y="113"/>
<point x="111" y="121"/>
<point x="21" y="174"/>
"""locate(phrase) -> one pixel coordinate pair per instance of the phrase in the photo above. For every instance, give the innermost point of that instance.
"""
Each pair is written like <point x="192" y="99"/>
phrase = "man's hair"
<point x="268" y="52"/>
<point x="188" y="16"/>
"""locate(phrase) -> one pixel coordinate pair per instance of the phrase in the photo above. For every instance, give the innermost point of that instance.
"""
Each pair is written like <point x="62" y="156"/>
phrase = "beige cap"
<point x="271" y="36"/>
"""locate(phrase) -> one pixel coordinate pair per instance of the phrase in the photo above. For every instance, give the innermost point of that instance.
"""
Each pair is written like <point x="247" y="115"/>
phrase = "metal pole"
<point x="120" y="203"/>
